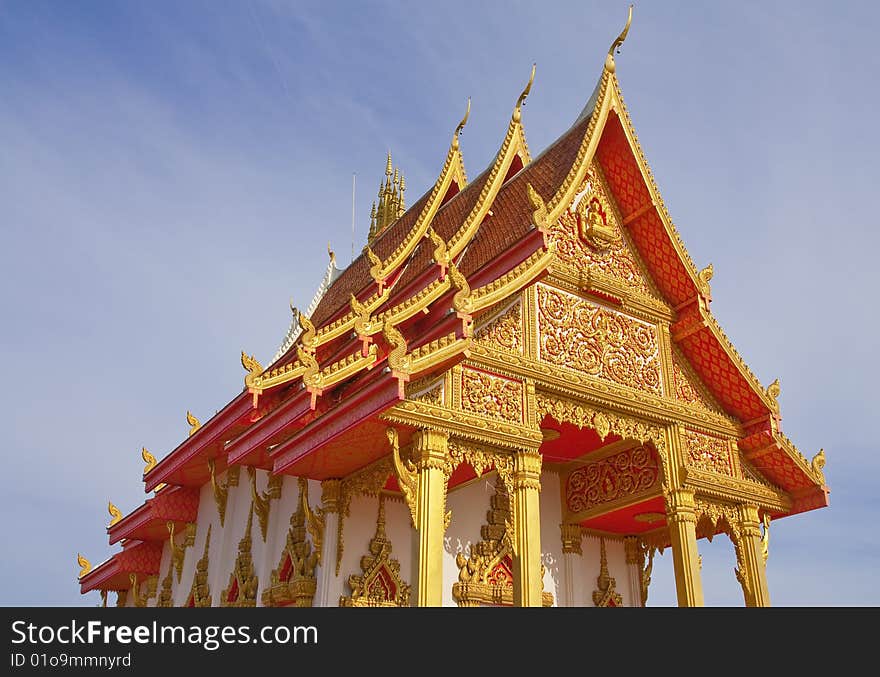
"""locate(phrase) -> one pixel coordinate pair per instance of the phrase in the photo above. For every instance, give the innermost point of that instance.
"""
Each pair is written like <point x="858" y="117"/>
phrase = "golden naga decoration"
<point x="178" y="552"/>
<point x="193" y="422"/>
<point x="150" y="460"/>
<point x="221" y="490"/>
<point x="441" y="251"/>
<point x="308" y="333"/>
<point x="646" y="569"/>
<point x="540" y="215"/>
<point x="461" y="125"/>
<point x="114" y="513"/>
<point x="254" y="369"/>
<point x="293" y="581"/>
<point x="462" y="301"/>
<point x="262" y="501"/>
<point x="618" y="41"/>
<point x="364" y="324"/>
<point x="520" y="102"/>
<point x="817" y="464"/>
<point x="375" y="267"/>
<point x="407" y="476"/>
<point x="606" y="595"/>
<point x="380" y="583"/>
<point x="200" y="592"/>
<point x="85" y="565"/>
<point x="141" y="599"/>
<point x="772" y="393"/>
<point x="398" y="359"/>
<point x="703" y="279"/>
<point x="765" y="538"/>
<point x="243" y="582"/>
<point x="314" y="518"/>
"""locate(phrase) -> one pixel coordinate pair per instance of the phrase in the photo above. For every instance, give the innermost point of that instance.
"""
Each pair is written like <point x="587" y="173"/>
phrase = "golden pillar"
<point x="571" y="549"/>
<point x="430" y="457"/>
<point x="527" y="583"/>
<point x="754" y="575"/>
<point x="681" y="519"/>
<point x="331" y="495"/>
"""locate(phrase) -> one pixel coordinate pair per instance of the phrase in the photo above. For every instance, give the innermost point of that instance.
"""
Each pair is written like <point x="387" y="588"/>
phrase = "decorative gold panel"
<point x="504" y="330"/>
<point x="491" y="395"/>
<point x="612" y="478"/>
<point x="686" y="387"/>
<point x="588" y="237"/>
<point x="707" y="452"/>
<point x="242" y="588"/>
<point x="578" y="334"/>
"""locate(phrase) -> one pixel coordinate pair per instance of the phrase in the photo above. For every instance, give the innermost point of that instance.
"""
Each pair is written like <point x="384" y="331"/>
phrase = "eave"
<point x="136" y="557"/>
<point x="149" y="521"/>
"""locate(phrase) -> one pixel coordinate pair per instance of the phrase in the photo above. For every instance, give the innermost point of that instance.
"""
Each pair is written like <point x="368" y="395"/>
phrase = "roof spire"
<point x="517" y="115"/>
<point x="618" y="41"/>
<point x="461" y="125"/>
<point x="391" y="204"/>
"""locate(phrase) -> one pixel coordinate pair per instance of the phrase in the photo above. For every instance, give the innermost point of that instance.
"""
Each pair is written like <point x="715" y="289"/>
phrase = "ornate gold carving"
<point x="650" y="517"/>
<point x="571" y="538"/>
<point x="193" y="422"/>
<point x="461" y="125"/>
<point x="539" y="208"/>
<point x="141" y="599"/>
<point x="221" y="489"/>
<point x="715" y="516"/>
<point x="241" y="590"/>
<point x="380" y="583"/>
<point x="817" y="464"/>
<point x="253" y="367"/>
<point x="504" y="330"/>
<point x="115" y="514"/>
<point x="491" y="395"/>
<point x="618" y="41"/>
<point x="429" y="390"/>
<point x="307" y="337"/>
<point x="85" y="565"/>
<point x="647" y="557"/>
<point x="462" y="300"/>
<point x="606" y="595"/>
<point x="178" y="552"/>
<point x="441" y="251"/>
<point x="314" y="518"/>
<point x="765" y="538"/>
<point x="707" y="452"/>
<point x="577" y="334"/>
<point x="398" y="359"/>
<point x="375" y="266"/>
<point x="200" y="592"/>
<point x="772" y="393"/>
<point x="165" y="600"/>
<point x="262" y="500"/>
<point x="628" y="473"/>
<point x="407" y="476"/>
<point x="367" y="481"/>
<point x="150" y="460"/>
<point x="293" y="581"/>
<point x="703" y="279"/>
<point x="517" y="111"/>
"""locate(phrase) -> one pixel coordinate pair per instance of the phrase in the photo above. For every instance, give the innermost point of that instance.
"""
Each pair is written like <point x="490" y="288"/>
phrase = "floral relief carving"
<point x="707" y="452"/>
<point x="504" y="331"/>
<point x="624" y="474"/>
<point x="597" y="341"/>
<point x="491" y="395"/>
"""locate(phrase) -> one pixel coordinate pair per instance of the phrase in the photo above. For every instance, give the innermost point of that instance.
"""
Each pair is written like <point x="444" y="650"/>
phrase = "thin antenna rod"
<point x="353" y="177"/>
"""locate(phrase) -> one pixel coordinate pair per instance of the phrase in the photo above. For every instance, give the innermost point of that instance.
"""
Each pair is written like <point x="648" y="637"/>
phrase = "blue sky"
<point x="170" y="174"/>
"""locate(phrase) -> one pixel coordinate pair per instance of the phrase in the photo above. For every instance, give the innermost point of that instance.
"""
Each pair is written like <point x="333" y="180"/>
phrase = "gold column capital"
<point x="331" y="495"/>
<point x="571" y="538"/>
<point x="749" y="521"/>
<point x="430" y="449"/>
<point x="681" y="506"/>
<point x="527" y="469"/>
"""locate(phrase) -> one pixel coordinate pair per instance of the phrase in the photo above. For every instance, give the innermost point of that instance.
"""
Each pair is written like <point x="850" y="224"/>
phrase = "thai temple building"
<point x="515" y="396"/>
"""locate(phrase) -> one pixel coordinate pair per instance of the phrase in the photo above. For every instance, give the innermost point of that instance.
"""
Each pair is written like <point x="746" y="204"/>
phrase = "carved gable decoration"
<point x="380" y="583"/>
<point x="502" y="328"/>
<point x="708" y="452"/>
<point x="486" y="577"/>
<point x="613" y="478"/>
<point x="293" y="581"/>
<point x="687" y="387"/>
<point x="578" y="334"/>
<point x="588" y="237"/>
<point x="491" y="395"/>
<point x="243" y="582"/>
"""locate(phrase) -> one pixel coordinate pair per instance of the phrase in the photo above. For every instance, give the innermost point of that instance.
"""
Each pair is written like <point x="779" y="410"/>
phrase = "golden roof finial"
<point x="331" y="253"/>
<point x="114" y="513"/>
<point x="618" y="41"/>
<point x="193" y="423"/>
<point x="388" y="165"/>
<point x="461" y="125"/>
<point x="149" y="459"/>
<point x="517" y="114"/>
